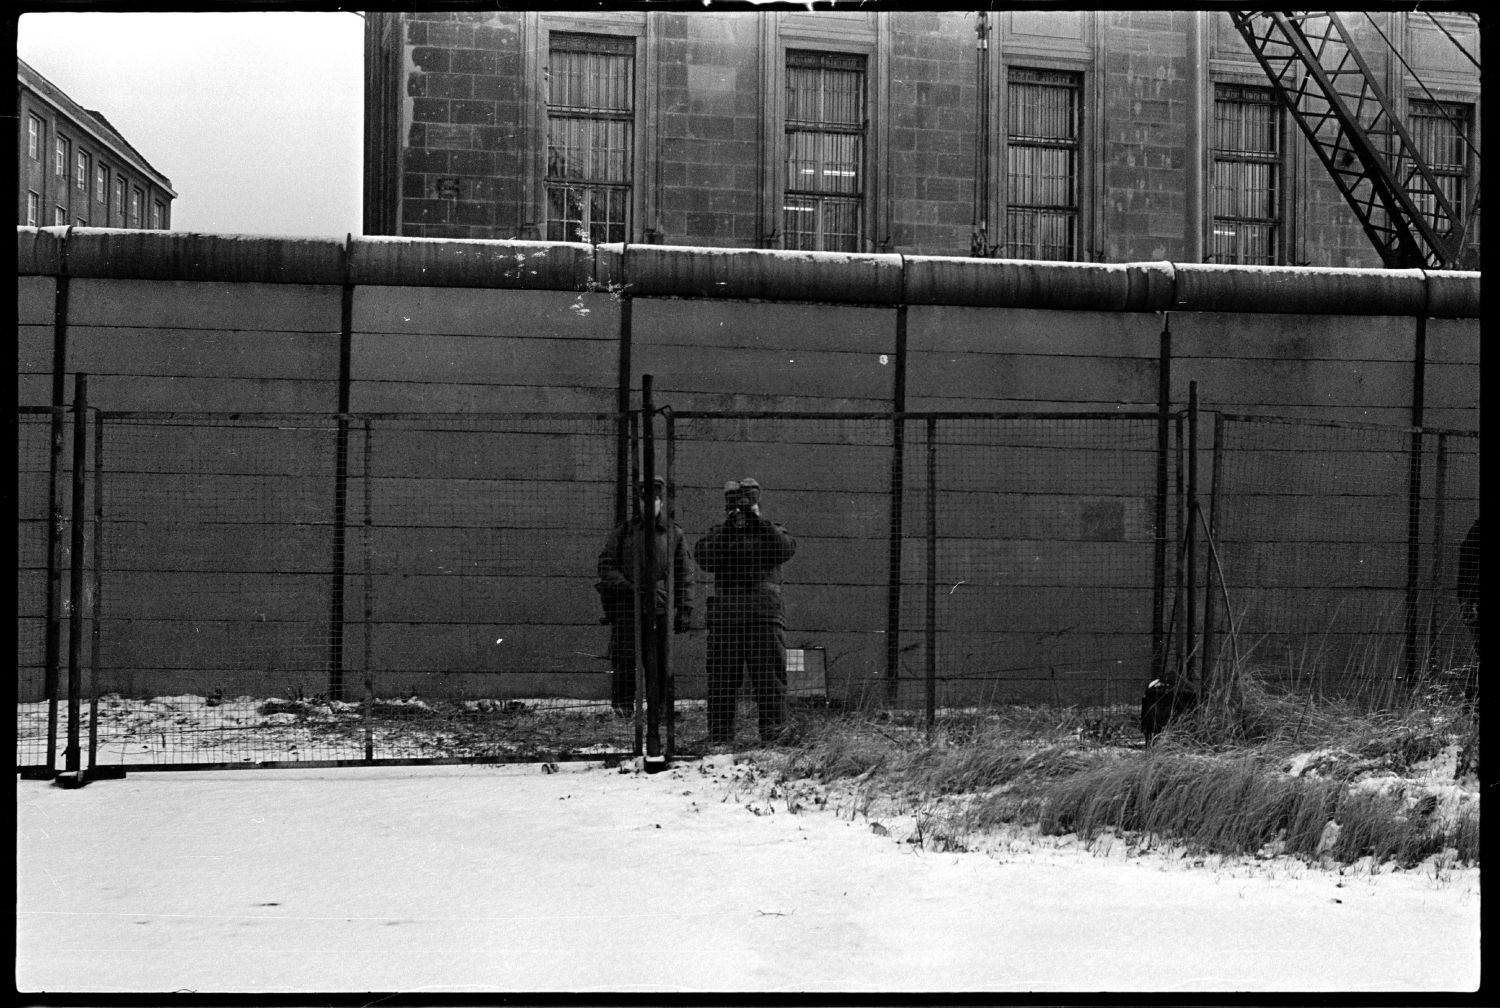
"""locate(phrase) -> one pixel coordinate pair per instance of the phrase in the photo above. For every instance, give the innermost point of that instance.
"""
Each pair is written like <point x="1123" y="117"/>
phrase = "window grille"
<point x="826" y="124"/>
<point x="1246" y="221"/>
<point x="1442" y="133"/>
<point x="1042" y="138"/>
<point x="590" y="137"/>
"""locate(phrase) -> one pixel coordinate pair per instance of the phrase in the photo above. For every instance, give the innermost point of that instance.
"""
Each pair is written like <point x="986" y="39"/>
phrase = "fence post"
<point x="931" y="574"/>
<point x="369" y="603"/>
<point x="652" y="652"/>
<point x="1439" y="516"/>
<point x="634" y="504"/>
<point x="1211" y="561"/>
<point x="1159" y="550"/>
<point x="1414" y="503"/>
<point x="1190" y="619"/>
<point x="72" y="754"/>
<point x="1175" y="621"/>
<point x="669" y="509"/>
<point x="96" y="606"/>
<point x="897" y="515"/>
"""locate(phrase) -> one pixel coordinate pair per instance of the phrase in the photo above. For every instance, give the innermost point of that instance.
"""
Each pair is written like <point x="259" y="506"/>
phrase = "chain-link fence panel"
<point x="789" y="520"/>
<point x="323" y="589"/>
<point x="43" y="464"/>
<point x="1031" y="557"/>
<point x="1336" y="548"/>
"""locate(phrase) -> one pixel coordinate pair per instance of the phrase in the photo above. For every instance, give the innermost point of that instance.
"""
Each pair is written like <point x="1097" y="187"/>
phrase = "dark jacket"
<point x="617" y="570"/>
<point x="745" y="558"/>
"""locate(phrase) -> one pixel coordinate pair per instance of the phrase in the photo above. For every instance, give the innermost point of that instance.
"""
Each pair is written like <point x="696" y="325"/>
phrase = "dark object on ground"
<point x="1163" y="700"/>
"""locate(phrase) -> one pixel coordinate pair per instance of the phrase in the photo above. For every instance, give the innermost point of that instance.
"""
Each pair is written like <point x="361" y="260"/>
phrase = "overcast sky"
<point x="256" y="117"/>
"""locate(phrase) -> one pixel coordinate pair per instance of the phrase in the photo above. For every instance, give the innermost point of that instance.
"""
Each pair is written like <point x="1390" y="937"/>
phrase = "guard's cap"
<point x="742" y="491"/>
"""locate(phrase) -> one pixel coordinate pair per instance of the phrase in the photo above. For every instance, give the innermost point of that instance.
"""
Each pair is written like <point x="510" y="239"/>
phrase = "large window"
<point x="1246" y="220"/>
<point x="1041" y="164"/>
<point x="158" y="214"/>
<point x="34" y="137"/>
<point x="590" y="137"/>
<point x="101" y="184"/>
<point x="33" y="209"/>
<point x="136" y="199"/>
<point x="59" y="216"/>
<point x="1443" y="132"/>
<point x="60" y="161"/>
<point x="823" y="201"/>
<point x="82" y="179"/>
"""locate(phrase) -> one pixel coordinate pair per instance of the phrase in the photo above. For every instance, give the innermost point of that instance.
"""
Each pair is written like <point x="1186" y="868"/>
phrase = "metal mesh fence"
<point x="1337" y="546"/>
<point x="1029" y="558"/>
<point x="295" y="588"/>
<point x="789" y="520"/>
<point x="40" y="549"/>
<point x="321" y="589"/>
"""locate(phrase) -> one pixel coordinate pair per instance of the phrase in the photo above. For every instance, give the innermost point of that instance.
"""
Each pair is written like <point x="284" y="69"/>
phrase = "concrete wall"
<point x="484" y="528"/>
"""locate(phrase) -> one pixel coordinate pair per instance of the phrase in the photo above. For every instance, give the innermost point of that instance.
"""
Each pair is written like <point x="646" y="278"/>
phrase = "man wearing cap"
<point x="616" y="587"/>
<point x="746" y="622"/>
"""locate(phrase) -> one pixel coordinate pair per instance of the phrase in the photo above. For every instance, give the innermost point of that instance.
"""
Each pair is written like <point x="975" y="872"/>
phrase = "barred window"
<point x="1442" y="132"/>
<point x="1246" y="220"/>
<point x="1041" y="164"/>
<point x="590" y="137"/>
<point x="823" y="200"/>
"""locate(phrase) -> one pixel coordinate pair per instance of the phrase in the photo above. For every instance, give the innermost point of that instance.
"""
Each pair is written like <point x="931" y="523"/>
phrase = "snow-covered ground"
<point x="573" y="877"/>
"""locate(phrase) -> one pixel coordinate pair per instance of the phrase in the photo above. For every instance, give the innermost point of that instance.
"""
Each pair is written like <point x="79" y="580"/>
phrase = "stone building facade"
<point x="1103" y="136"/>
<point x="76" y="168"/>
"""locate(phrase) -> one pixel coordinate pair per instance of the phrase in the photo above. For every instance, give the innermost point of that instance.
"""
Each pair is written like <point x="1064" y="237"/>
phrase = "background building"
<point x="75" y="168"/>
<point x="1107" y="136"/>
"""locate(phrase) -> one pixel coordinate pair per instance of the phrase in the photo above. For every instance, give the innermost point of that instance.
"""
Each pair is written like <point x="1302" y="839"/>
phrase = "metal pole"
<point x="1190" y="629"/>
<point x="893" y="558"/>
<point x="369" y="602"/>
<point x="53" y="644"/>
<point x="650" y="645"/>
<point x="931" y="575"/>
<point x="1178" y="596"/>
<point x="1439" y="517"/>
<point x="636" y="575"/>
<point x="1159" y="547"/>
<point x="52" y="647"/>
<point x="76" y="564"/>
<point x="1414" y="502"/>
<point x="669" y="506"/>
<point x="1210" y="565"/>
<point x="96" y="606"/>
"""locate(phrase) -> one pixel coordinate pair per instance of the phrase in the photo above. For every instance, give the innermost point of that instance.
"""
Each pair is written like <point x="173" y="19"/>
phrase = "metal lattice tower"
<point x="1324" y="81"/>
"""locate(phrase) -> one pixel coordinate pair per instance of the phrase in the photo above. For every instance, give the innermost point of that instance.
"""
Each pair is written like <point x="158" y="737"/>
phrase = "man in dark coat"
<point x="1468" y="600"/>
<point x="616" y="587"/>
<point x="746" y="621"/>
